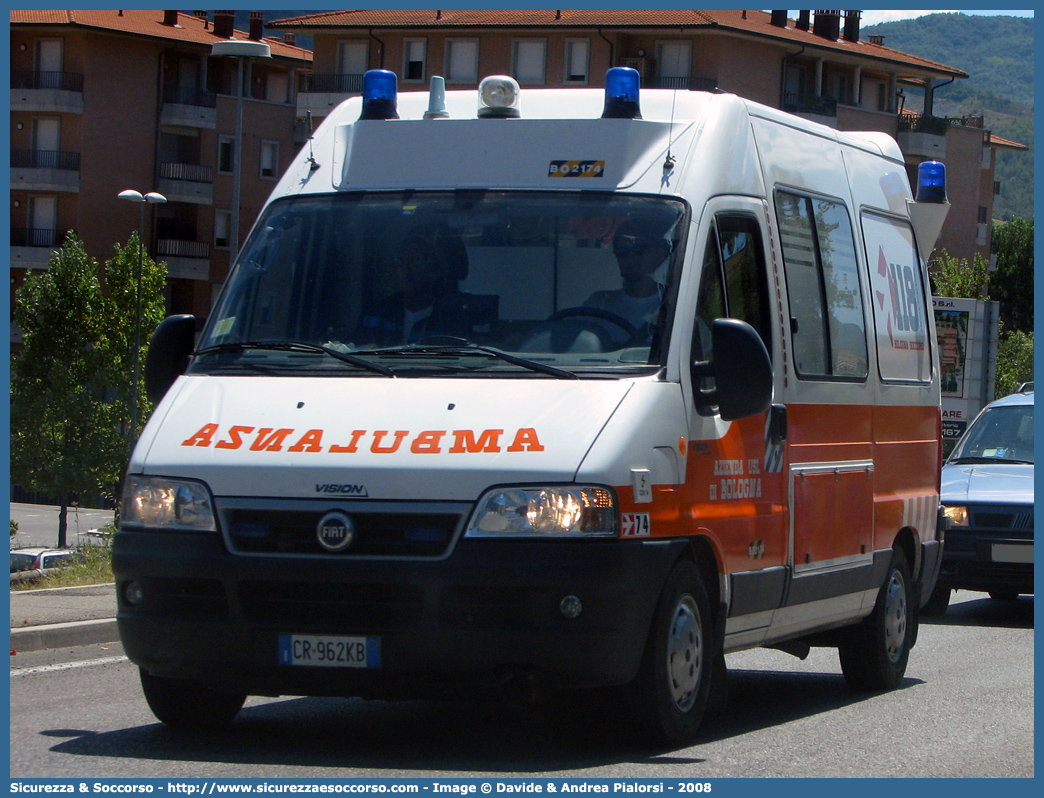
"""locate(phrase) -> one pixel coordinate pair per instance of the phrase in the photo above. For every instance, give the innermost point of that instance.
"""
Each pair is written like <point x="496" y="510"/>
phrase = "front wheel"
<point x="189" y="704"/>
<point x="671" y="692"/>
<point x="875" y="652"/>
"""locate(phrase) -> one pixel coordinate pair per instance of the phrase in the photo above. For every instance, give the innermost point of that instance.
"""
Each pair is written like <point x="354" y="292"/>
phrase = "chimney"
<point x="224" y="23"/>
<point x="802" y="23"/>
<point x="852" y="26"/>
<point x="203" y="16"/>
<point x="779" y="19"/>
<point x="290" y="38"/>
<point x="257" y="25"/>
<point x="827" y="24"/>
<point x="170" y="18"/>
<point x="876" y="39"/>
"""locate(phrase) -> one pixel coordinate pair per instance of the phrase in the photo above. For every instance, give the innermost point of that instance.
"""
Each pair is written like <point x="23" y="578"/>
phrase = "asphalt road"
<point x="965" y="710"/>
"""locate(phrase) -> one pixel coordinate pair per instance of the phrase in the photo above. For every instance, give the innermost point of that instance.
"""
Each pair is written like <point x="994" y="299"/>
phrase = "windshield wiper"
<point x="299" y="346"/>
<point x="466" y="348"/>
<point x="988" y="460"/>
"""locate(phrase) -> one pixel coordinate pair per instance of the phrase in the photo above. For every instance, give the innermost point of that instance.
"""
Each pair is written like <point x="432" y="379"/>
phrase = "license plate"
<point x="1013" y="552"/>
<point x="330" y="651"/>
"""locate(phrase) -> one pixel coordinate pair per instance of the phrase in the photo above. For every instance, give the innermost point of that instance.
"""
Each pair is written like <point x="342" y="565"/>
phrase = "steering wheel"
<point x="597" y="313"/>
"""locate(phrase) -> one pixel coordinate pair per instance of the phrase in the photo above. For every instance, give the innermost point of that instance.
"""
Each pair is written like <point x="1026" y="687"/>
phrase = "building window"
<point x="413" y="51"/>
<point x="983" y="214"/>
<point x="528" y="57"/>
<point x="226" y="154"/>
<point x="270" y="159"/>
<point x="577" y="60"/>
<point x="277" y="87"/>
<point x="462" y="60"/>
<point x="222" y="229"/>
<point x="673" y="64"/>
<point x="353" y="57"/>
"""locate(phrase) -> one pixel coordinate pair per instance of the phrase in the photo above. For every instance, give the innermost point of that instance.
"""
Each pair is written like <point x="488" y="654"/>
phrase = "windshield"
<point x="1002" y="434"/>
<point x="386" y="284"/>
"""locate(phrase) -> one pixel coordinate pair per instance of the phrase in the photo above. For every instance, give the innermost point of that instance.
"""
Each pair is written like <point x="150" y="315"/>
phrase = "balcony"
<point x="45" y="170"/>
<point x="31" y="248"/>
<point x="319" y="94"/>
<point x="189" y="107"/>
<point x="821" y="109"/>
<point x="186" y="260"/>
<point x="186" y="182"/>
<point x="922" y="136"/>
<point x="47" y="92"/>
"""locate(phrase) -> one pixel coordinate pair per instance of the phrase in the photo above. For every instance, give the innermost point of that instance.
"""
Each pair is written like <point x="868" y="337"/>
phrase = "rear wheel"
<point x="189" y="704"/>
<point x="875" y="653"/>
<point x="671" y="692"/>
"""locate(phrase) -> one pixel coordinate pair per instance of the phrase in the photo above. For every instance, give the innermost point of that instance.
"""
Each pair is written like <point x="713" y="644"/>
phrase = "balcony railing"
<point x="35" y="237"/>
<point x="332" y="84"/>
<point x="685" y="84"/>
<point x="799" y="104"/>
<point x="45" y="159"/>
<point x="189" y="96"/>
<point x="174" y="248"/>
<point x="919" y="123"/>
<point x="187" y="171"/>
<point x="62" y="81"/>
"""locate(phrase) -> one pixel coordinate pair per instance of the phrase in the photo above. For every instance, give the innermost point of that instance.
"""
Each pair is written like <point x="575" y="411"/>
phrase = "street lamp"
<point x="142" y="200"/>
<point x="240" y="50"/>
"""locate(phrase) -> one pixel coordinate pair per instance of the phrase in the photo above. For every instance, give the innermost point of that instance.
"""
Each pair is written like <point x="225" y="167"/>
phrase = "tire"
<point x="670" y="695"/>
<point x="937" y="602"/>
<point x="875" y="653"/>
<point x="189" y="704"/>
<point x="1004" y="595"/>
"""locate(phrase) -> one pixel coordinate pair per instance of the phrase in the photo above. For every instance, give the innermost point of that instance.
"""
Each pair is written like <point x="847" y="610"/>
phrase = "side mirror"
<point x="741" y="369"/>
<point x="168" y="356"/>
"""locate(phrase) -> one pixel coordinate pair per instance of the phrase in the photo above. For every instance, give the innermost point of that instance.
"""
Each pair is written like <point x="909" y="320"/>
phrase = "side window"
<point x="711" y="302"/>
<point x="899" y="299"/>
<point x="826" y="305"/>
<point x="746" y="283"/>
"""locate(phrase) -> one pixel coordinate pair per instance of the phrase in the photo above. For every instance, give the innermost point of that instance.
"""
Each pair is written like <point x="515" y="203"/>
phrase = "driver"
<point x="639" y="252"/>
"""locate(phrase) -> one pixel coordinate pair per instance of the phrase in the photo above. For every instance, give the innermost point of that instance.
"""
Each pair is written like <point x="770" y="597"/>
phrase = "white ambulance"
<point x="553" y="390"/>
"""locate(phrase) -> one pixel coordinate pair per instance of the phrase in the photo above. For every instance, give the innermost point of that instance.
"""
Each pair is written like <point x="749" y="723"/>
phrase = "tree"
<point x="1014" y="361"/>
<point x="1012" y="283"/>
<point x="72" y="381"/>
<point x="117" y="344"/>
<point x="58" y="382"/>
<point x="953" y="277"/>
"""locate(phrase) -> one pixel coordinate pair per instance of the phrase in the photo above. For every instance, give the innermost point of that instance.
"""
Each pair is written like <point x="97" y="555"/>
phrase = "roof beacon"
<point x="380" y="89"/>
<point x="499" y="98"/>
<point x="931" y="182"/>
<point x="437" y="99"/>
<point x="621" y="94"/>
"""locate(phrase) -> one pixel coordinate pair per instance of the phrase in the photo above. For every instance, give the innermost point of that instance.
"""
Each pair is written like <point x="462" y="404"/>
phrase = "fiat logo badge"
<point x="335" y="532"/>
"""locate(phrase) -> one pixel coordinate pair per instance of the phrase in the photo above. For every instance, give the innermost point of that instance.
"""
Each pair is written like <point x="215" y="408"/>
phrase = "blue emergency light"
<point x="621" y="94"/>
<point x="380" y="91"/>
<point x="931" y="182"/>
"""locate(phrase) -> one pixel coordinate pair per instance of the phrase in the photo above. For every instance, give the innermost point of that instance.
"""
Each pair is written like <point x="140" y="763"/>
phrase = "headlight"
<point x="167" y="504"/>
<point x="575" y="511"/>
<point x="957" y="514"/>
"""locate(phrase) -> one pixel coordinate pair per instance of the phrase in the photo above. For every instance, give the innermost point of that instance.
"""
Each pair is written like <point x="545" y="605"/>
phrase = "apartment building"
<point x="103" y="101"/>
<point x="817" y="66"/>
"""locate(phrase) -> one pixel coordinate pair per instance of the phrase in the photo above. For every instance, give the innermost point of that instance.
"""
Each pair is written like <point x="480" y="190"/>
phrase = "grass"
<point x="94" y="567"/>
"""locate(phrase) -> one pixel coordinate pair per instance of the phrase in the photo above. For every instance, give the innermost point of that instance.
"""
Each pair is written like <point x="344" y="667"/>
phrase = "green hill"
<point x="997" y="55"/>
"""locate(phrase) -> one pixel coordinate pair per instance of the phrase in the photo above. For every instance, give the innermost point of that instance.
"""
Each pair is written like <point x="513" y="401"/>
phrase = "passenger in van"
<point x="640" y="249"/>
<point x="429" y="303"/>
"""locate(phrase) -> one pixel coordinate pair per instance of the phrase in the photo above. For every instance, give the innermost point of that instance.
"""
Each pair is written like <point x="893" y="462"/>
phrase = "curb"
<point x="64" y="635"/>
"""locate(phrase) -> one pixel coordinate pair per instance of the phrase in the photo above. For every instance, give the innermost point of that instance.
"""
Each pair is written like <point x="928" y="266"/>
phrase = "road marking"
<point x="65" y="666"/>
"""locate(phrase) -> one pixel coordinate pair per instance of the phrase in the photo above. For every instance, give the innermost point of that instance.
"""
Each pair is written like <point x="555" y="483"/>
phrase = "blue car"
<point x="987" y="493"/>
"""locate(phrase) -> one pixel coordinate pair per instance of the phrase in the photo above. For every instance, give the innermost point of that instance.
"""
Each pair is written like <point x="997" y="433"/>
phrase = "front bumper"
<point x="485" y="616"/>
<point x="987" y="560"/>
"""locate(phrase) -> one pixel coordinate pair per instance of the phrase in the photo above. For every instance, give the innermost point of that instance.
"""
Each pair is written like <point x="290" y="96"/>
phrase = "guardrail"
<point x="62" y="81"/>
